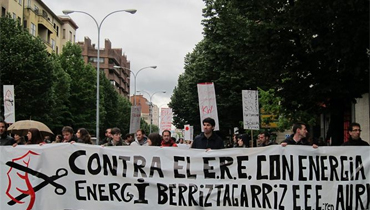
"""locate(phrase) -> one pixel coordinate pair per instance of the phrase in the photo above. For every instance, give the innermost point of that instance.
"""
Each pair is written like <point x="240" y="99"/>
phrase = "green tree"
<point x="82" y="98"/>
<point x="315" y="61"/>
<point x="26" y="64"/>
<point x="61" y="87"/>
<point x="116" y="109"/>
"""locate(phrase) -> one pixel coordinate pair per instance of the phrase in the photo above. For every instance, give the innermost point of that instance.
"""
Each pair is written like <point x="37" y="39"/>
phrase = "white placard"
<point x="166" y="119"/>
<point x="251" y="115"/>
<point x="9" y="103"/>
<point x="207" y="103"/>
<point x="135" y="118"/>
<point x="188" y="132"/>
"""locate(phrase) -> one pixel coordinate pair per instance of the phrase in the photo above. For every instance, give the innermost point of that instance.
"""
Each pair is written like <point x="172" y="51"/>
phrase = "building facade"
<point x="109" y="58"/>
<point x="145" y="109"/>
<point x="40" y="21"/>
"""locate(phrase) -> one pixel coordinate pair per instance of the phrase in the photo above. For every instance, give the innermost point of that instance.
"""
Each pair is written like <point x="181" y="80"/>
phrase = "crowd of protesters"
<point x="208" y="139"/>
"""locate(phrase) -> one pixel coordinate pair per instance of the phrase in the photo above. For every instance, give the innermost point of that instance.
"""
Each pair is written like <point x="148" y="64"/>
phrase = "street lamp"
<point x="151" y="106"/>
<point x="66" y="12"/>
<point x="135" y="75"/>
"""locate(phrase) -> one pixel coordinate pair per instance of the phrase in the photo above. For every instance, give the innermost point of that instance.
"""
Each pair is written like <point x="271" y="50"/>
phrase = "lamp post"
<point x="151" y="106"/>
<point x="135" y="76"/>
<point x="98" y="25"/>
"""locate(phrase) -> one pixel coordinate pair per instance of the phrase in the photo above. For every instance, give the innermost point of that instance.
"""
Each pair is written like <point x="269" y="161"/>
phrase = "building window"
<point x="20" y="2"/>
<point x="70" y="36"/>
<point x="33" y="29"/>
<point x="94" y="60"/>
<point x="64" y="33"/>
<point x="36" y="10"/>
<point x="29" y="3"/>
<point x="14" y="16"/>
<point x="53" y="44"/>
<point x="44" y="14"/>
<point x="3" y="12"/>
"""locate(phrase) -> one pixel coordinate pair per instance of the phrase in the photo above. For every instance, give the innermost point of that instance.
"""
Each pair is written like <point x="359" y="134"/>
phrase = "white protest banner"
<point x="166" y="119"/>
<point x="9" y="103"/>
<point x="251" y="116"/>
<point x="79" y="176"/>
<point x="135" y="118"/>
<point x="207" y="103"/>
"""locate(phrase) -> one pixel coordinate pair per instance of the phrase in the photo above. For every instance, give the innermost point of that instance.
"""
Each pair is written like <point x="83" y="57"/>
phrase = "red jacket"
<point x="171" y="143"/>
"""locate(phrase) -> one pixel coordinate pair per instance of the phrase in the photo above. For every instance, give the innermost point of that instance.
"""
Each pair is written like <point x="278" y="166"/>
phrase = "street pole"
<point x="151" y="106"/>
<point x="66" y="12"/>
<point x="135" y="76"/>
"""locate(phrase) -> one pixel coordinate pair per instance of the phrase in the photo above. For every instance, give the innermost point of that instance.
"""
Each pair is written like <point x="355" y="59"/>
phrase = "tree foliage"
<point x="82" y="97"/>
<point x="57" y="90"/>
<point x="26" y="65"/>
<point x="313" y="61"/>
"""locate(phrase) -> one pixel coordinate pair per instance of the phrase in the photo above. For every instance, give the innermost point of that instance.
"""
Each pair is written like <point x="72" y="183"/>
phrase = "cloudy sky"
<point x="161" y="33"/>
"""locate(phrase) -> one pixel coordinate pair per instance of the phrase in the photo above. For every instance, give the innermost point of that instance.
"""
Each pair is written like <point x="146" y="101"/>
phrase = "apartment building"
<point x="41" y="22"/>
<point x="109" y="58"/>
<point x="145" y="109"/>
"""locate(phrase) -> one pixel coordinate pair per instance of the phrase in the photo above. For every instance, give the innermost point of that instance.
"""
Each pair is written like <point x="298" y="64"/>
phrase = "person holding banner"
<point x="140" y="140"/>
<point x="34" y="136"/>
<point x="83" y="136"/>
<point x="242" y="141"/>
<point x="264" y="140"/>
<point x="298" y="137"/>
<point x="167" y="141"/>
<point x="154" y="139"/>
<point x="4" y="138"/>
<point x="208" y="139"/>
<point x="354" y="139"/>
<point x="129" y="138"/>
<point x="68" y="134"/>
<point x="116" y="138"/>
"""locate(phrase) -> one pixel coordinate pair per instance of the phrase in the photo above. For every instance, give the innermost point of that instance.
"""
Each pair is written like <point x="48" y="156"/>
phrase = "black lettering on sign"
<point x="225" y="162"/>
<point x="124" y="162"/>
<point x="177" y="167"/>
<point x="94" y="158"/>
<point x="156" y="166"/>
<point x="182" y="189"/>
<point x="72" y="160"/>
<point x="301" y="168"/>
<point x="244" y="197"/>
<point x="260" y="176"/>
<point x="141" y="190"/>
<point x="275" y="167"/>
<point x="207" y="169"/>
<point x="266" y="189"/>
<point x="108" y="164"/>
<point x="295" y="189"/>
<point x="162" y="195"/>
<point x="78" y="188"/>
<point x="139" y="165"/>
<point x="256" y="191"/>
<point x="241" y="167"/>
